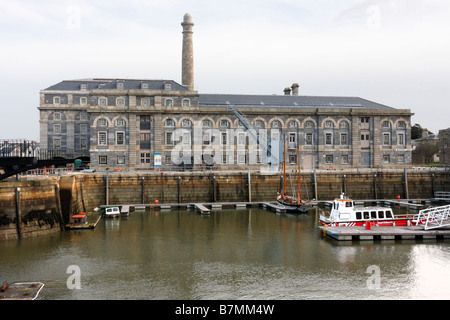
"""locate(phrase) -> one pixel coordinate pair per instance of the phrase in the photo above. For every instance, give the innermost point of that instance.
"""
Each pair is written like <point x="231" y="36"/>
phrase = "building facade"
<point x="151" y="124"/>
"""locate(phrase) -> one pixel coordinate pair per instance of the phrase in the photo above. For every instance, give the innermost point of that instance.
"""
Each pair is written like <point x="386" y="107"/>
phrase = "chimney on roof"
<point x="295" y="89"/>
<point x="287" y="91"/>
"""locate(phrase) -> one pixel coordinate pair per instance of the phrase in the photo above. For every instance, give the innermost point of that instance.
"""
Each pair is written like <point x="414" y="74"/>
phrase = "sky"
<point x="393" y="52"/>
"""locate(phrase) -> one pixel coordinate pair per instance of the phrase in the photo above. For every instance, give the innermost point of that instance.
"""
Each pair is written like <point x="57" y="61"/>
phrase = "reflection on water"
<point x="231" y="254"/>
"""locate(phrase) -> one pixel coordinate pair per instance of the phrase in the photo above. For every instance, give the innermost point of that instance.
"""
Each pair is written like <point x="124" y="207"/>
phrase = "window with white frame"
<point x="329" y="159"/>
<point x="56" y="100"/>
<point x="185" y="102"/>
<point x="186" y="138"/>
<point x="120" y="159"/>
<point x="241" y="138"/>
<point x="102" y="138"/>
<point x="401" y="158"/>
<point x="224" y="123"/>
<point x="56" y="128"/>
<point x="401" y="139"/>
<point x="224" y="138"/>
<point x="328" y="124"/>
<point x="328" y="139"/>
<point x="120" y="122"/>
<point x="120" y="102"/>
<point x="83" y="100"/>
<point x="309" y="139"/>
<point x="83" y="143"/>
<point x="207" y="123"/>
<point x="103" y="160"/>
<point x="102" y="102"/>
<point x="120" y="138"/>
<point x="386" y="158"/>
<point x="56" y="143"/>
<point x="386" y="139"/>
<point x="102" y="122"/>
<point x="169" y="123"/>
<point x="57" y="116"/>
<point x="344" y="139"/>
<point x="145" y="102"/>
<point x="186" y="123"/>
<point x="206" y="138"/>
<point x="168" y="102"/>
<point x="169" y="138"/>
<point x="309" y="124"/>
<point x="344" y="159"/>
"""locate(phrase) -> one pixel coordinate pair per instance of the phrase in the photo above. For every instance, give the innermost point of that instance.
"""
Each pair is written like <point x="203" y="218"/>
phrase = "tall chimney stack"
<point x="187" y="76"/>
<point x="295" y="89"/>
<point x="287" y="91"/>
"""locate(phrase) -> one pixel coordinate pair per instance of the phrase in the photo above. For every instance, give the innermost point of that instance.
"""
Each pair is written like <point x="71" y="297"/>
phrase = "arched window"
<point x="169" y="123"/>
<point x="168" y="102"/>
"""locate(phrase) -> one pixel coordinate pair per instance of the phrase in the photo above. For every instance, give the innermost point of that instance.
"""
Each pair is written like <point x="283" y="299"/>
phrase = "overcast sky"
<point x="394" y="52"/>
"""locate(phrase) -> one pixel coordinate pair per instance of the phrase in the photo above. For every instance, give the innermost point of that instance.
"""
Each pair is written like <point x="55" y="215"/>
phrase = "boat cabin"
<point x="344" y="209"/>
<point x="79" y="218"/>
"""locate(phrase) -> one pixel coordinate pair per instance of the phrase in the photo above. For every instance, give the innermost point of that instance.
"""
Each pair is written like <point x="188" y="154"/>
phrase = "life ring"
<point x="330" y="168"/>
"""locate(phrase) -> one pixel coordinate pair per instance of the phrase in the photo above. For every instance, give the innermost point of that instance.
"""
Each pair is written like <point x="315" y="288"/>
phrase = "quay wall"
<point x="186" y="187"/>
<point x="41" y="205"/>
<point x="29" y="208"/>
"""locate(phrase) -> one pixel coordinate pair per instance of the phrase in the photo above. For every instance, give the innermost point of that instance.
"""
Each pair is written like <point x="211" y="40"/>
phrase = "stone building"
<point x="444" y="147"/>
<point x="151" y="124"/>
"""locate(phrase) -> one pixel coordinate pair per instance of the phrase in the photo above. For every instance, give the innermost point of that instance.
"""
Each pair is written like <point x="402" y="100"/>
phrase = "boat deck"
<point x="21" y="291"/>
<point x="384" y="233"/>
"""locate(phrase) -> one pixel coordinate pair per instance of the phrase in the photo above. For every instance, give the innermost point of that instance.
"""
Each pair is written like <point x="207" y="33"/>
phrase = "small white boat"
<point x="344" y="213"/>
<point x="112" y="212"/>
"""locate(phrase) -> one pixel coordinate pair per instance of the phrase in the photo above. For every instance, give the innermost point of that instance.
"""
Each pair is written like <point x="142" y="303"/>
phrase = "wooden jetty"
<point x="384" y="233"/>
<point x="80" y="226"/>
<point x="21" y="291"/>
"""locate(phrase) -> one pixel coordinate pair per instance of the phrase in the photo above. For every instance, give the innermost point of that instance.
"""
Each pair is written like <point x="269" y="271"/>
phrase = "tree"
<point x="416" y="131"/>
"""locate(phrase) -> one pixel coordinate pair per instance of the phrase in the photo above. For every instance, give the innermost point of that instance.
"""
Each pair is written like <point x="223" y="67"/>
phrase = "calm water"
<point x="231" y="254"/>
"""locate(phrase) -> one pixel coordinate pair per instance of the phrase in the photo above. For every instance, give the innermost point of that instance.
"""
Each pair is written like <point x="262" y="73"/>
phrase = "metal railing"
<point x="436" y="217"/>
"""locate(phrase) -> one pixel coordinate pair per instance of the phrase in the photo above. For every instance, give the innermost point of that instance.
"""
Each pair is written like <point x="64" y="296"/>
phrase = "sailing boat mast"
<point x="298" y="162"/>
<point x="284" y="165"/>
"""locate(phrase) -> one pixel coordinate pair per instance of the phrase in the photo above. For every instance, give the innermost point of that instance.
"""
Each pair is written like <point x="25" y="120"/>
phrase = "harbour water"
<point x="230" y="254"/>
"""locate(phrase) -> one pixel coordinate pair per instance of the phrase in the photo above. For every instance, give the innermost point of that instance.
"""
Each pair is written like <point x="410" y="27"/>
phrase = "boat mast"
<point x="298" y="161"/>
<point x="284" y="165"/>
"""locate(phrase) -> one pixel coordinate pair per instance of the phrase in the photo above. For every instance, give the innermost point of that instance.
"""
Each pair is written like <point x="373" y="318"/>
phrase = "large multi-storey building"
<point x="148" y="124"/>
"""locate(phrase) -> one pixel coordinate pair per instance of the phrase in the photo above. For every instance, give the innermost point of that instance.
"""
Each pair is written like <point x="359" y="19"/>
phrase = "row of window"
<point x="121" y="102"/>
<point x="145" y="158"/>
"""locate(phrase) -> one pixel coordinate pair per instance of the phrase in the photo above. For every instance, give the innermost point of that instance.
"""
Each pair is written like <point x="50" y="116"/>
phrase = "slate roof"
<point x="287" y="101"/>
<point x="111" y="84"/>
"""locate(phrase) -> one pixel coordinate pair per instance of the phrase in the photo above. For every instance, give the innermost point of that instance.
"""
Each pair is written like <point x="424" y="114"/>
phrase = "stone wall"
<point x="29" y="208"/>
<point x="47" y="203"/>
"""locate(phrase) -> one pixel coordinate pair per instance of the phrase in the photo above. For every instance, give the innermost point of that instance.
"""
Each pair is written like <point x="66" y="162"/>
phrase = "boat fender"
<point x="330" y="168"/>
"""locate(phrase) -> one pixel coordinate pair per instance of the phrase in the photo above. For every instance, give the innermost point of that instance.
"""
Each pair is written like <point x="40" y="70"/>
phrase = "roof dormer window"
<point x="119" y="86"/>
<point x="167" y="86"/>
<point x="83" y="87"/>
<point x="144" y="86"/>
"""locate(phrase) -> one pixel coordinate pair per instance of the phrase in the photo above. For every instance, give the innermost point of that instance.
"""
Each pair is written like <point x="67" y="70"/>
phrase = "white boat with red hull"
<point x="344" y="213"/>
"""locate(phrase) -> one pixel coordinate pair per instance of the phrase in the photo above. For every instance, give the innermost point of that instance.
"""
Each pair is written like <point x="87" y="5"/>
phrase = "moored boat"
<point x="111" y="212"/>
<point x="294" y="202"/>
<point x="344" y="213"/>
